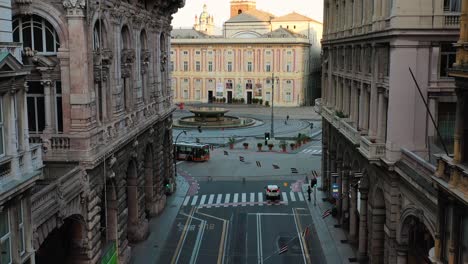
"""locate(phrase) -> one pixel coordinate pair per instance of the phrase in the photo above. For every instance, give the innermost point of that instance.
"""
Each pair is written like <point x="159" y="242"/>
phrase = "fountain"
<point x="212" y="117"/>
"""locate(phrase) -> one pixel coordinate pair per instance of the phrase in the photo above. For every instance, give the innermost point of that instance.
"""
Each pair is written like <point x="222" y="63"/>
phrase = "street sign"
<point x="335" y="190"/>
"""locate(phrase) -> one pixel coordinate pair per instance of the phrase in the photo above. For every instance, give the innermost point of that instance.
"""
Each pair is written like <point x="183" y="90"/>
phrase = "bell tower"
<point x="240" y="6"/>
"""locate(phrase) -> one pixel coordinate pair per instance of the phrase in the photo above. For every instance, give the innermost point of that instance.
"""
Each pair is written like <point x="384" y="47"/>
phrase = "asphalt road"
<point x="231" y="222"/>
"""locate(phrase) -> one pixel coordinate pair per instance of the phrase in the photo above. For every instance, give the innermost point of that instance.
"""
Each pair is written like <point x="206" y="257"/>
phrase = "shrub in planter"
<point x="246" y="145"/>
<point x="267" y="104"/>
<point x="259" y="146"/>
<point x="270" y="146"/>
<point x="260" y="101"/>
<point x="242" y="100"/>
<point x="214" y="99"/>
<point x="232" y="141"/>
<point x="292" y="145"/>
<point x="254" y="100"/>
<point x="283" y="145"/>
<point x="224" y="99"/>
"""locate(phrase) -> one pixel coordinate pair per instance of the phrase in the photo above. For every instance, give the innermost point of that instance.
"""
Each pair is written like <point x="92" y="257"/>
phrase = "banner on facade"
<point x="219" y="90"/>
<point x="239" y="93"/>
<point x="258" y="90"/>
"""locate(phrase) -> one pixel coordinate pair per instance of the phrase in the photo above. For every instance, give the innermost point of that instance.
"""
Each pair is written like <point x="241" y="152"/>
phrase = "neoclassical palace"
<point x="95" y="83"/>
<point x="379" y="142"/>
<point x="240" y="64"/>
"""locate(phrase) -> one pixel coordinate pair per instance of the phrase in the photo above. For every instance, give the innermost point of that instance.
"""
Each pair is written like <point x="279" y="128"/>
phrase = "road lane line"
<point x="301" y="197"/>
<point x="194" y="200"/>
<point x="285" y="196"/>
<point x="259" y="239"/>
<point x="236" y="199"/>
<point x="210" y="200"/>
<point x="252" y="199"/>
<point x="218" y="200"/>
<point x="176" y="255"/>
<point x="196" y="247"/>
<point x="260" y="198"/>
<point x="244" y="199"/>
<point x="305" y="253"/>
<point x="293" y="197"/>
<point x="202" y="200"/>
<point x="226" y="199"/>
<point x="187" y="199"/>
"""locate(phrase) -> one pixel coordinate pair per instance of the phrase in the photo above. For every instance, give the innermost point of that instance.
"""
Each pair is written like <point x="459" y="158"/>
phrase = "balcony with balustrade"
<point x="452" y="177"/>
<point x="371" y="148"/>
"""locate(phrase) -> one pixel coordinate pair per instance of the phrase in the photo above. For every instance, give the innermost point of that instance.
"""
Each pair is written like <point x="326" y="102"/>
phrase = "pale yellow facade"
<point x="240" y="68"/>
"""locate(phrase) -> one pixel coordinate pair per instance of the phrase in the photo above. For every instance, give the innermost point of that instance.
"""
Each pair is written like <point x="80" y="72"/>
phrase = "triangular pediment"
<point x="8" y="63"/>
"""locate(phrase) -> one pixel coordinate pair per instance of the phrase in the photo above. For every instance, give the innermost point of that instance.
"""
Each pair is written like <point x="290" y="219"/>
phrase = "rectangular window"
<point x="185" y="65"/>
<point x="185" y="52"/>
<point x="5" y="238"/>
<point x="249" y="66"/>
<point x="229" y="66"/>
<point x="197" y="95"/>
<point x="289" y="67"/>
<point x="268" y="97"/>
<point x="185" y="94"/>
<point x="171" y="66"/>
<point x="36" y="107"/>
<point x="2" y="144"/>
<point x="268" y="67"/>
<point x="58" y="107"/>
<point x="21" y="228"/>
<point x="452" y="5"/>
<point x="210" y="66"/>
<point x="229" y="84"/>
<point x="447" y="58"/>
<point x="288" y="97"/>
<point x="268" y="52"/>
<point x="197" y="66"/>
<point x="248" y="85"/>
<point x="197" y="52"/>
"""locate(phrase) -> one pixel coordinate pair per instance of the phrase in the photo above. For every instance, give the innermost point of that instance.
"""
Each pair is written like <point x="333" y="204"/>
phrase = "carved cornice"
<point x="24" y="6"/>
<point x="128" y="56"/>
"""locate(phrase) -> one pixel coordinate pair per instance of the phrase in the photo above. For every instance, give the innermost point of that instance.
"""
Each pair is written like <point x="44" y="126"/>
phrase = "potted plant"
<point x="246" y="145"/>
<point x="292" y="145"/>
<point x="260" y="102"/>
<point x="267" y="104"/>
<point x="270" y="146"/>
<point x="283" y="145"/>
<point x="224" y="99"/>
<point x="242" y="100"/>
<point x="232" y="141"/>
<point x="259" y="146"/>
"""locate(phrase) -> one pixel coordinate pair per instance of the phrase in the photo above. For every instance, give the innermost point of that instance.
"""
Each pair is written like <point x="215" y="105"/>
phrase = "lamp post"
<point x="175" y="151"/>
<point x="273" y="78"/>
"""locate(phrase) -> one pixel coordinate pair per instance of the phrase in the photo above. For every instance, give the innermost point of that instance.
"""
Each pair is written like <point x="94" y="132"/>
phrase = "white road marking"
<point x="252" y="198"/>
<point x="226" y="199"/>
<point x="285" y="197"/>
<point x="194" y="200"/>
<point x="244" y="199"/>
<point x="202" y="200"/>
<point x="187" y="199"/>
<point x="293" y="198"/>
<point x="218" y="199"/>
<point x="301" y="197"/>
<point x="236" y="199"/>
<point x="259" y="240"/>
<point x="260" y="198"/>
<point x="210" y="200"/>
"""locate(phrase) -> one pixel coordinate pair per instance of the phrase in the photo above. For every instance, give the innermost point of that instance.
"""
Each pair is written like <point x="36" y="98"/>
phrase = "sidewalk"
<point x="330" y="236"/>
<point x="149" y="251"/>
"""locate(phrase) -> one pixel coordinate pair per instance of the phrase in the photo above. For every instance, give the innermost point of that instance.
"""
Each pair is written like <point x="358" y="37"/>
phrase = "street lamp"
<point x="273" y="79"/>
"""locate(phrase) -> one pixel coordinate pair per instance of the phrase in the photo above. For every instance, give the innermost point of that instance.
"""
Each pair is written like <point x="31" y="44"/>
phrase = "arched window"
<point x="36" y="33"/>
<point x="99" y="34"/>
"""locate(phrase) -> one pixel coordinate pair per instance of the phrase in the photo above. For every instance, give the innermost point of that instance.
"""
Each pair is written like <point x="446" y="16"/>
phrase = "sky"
<point x="185" y="17"/>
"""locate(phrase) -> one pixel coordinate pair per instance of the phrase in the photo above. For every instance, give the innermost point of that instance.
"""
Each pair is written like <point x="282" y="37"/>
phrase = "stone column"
<point x="459" y="127"/>
<point x="362" y="251"/>
<point x="352" y="213"/>
<point x="362" y="106"/>
<point x="402" y="254"/>
<point x="11" y="137"/>
<point x="325" y="168"/>
<point x="24" y="134"/>
<point x="339" y="180"/>
<point x="382" y="115"/>
<point x="373" y="107"/>
<point x="48" y="86"/>
<point x="331" y="168"/>
<point x="345" y="194"/>
<point x="356" y="106"/>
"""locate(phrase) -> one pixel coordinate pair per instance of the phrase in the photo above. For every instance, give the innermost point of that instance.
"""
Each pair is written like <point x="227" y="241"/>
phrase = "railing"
<point x="350" y="132"/>
<point x="371" y="149"/>
<point x="452" y="20"/>
<point x="60" y="143"/>
<point x="327" y="114"/>
<point x="5" y="168"/>
<point x="36" y="155"/>
<point x="336" y="122"/>
<point x="51" y="197"/>
<point x="417" y="163"/>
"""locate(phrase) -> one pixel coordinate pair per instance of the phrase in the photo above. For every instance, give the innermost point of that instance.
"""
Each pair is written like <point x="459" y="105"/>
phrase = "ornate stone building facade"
<point x="378" y="150"/>
<point x="99" y="102"/>
<point x="240" y="63"/>
<point x="451" y="177"/>
<point x="20" y="161"/>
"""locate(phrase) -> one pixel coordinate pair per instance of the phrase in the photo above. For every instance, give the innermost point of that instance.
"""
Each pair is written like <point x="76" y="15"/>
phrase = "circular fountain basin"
<point x="213" y="117"/>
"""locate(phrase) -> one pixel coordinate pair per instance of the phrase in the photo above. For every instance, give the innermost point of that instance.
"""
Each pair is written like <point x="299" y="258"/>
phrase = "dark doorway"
<point x="249" y="97"/>
<point x="229" y="97"/>
<point x="210" y="97"/>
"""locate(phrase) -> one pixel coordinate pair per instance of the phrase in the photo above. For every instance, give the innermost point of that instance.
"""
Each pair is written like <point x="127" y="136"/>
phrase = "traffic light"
<point x="267" y="136"/>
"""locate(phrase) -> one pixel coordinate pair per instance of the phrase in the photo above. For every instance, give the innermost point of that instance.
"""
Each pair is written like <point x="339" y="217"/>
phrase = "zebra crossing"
<point x="311" y="151"/>
<point x="240" y="199"/>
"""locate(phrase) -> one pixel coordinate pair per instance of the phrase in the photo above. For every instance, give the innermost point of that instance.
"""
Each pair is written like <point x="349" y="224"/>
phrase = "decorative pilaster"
<point x="48" y="86"/>
<point x="352" y="214"/>
<point x="362" y="251"/>
<point x="402" y="254"/>
<point x="74" y="7"/>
